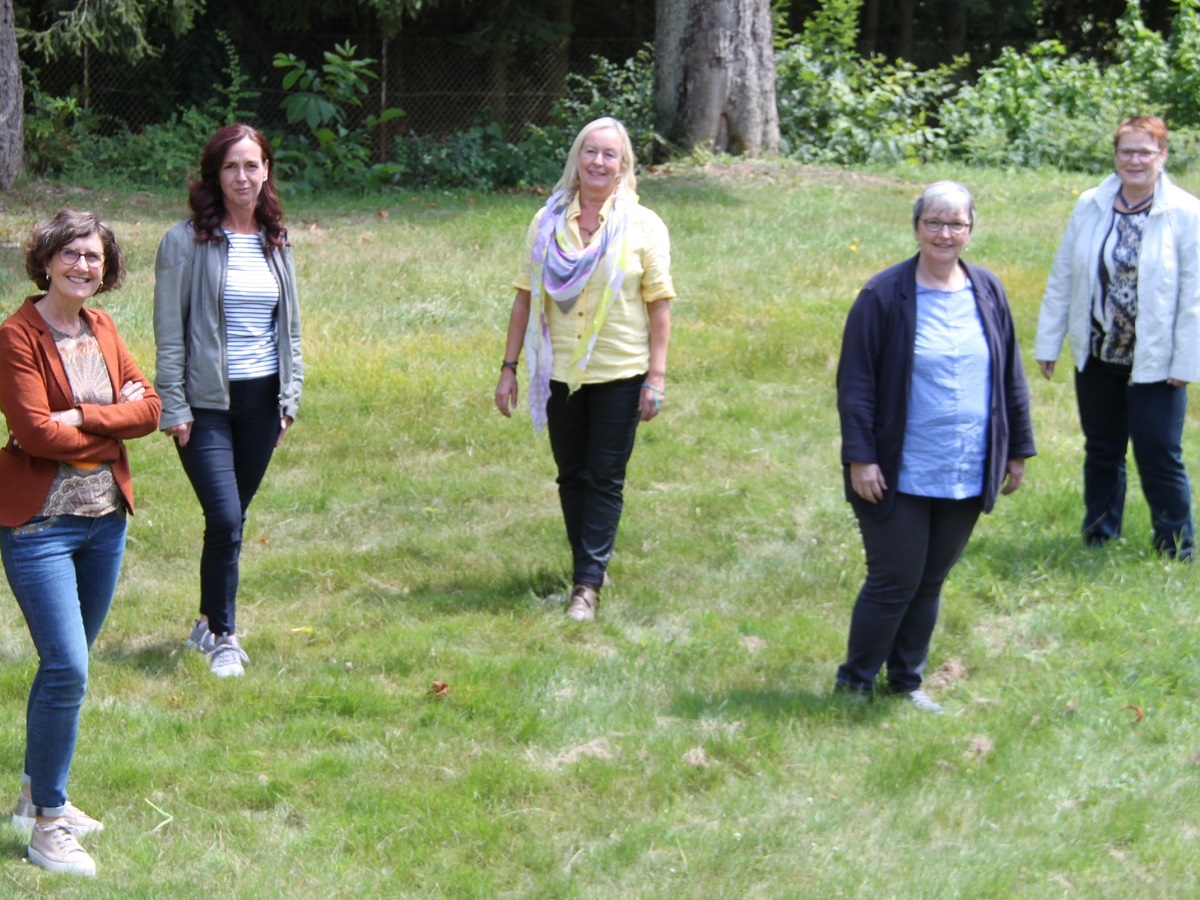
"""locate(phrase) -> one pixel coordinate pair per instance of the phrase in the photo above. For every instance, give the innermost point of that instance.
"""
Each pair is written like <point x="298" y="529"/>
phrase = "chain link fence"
<point x="441" y="85"/>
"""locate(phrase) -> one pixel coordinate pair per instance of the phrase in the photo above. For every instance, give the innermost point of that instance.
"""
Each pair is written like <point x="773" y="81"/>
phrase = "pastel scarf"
<point x="561" y="271"/>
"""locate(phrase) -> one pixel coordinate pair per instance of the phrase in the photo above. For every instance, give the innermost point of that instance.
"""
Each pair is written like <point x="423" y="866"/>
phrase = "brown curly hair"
<point x="47" y="238"/>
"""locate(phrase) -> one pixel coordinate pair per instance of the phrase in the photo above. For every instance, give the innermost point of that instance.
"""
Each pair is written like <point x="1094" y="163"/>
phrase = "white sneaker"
<point x="227" y="658"/>
<point x="201" y="638"/>
<point x="54" y="848"/>
<point x="73" y="817"/>
<point x="924" y="702"/>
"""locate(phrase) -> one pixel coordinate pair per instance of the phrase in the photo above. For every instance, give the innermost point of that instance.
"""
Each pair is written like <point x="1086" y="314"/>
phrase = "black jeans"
<point x="591" y="436"/>
<point x="225" y="459"/>
<point x="909" y="555"/>
<point x="1112" y="412"/>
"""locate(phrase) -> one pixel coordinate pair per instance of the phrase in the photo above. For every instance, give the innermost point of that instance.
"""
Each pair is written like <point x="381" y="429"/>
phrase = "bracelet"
<point x="658" y="395"/>
<point x="509" y="364"/>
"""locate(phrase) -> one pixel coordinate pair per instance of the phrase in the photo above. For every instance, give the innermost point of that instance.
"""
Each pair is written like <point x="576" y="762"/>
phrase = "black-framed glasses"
<point x="1129" y="155"/>
<point x="934" y="226"/>
<point x="70" y="256"/>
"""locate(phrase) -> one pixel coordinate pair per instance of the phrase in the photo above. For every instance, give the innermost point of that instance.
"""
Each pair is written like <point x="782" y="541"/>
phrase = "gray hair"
<point x="945" y="194"/>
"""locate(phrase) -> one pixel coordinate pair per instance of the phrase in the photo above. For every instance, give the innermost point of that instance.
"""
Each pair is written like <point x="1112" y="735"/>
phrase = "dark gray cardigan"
<point x="875" y="373"/>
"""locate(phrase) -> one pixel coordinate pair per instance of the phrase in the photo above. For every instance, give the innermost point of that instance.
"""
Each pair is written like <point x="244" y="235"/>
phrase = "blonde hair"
<point x="626" y="181"/>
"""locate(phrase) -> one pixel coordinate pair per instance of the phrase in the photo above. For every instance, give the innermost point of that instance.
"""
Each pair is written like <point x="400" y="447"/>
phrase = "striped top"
<point x="251" y="300"/>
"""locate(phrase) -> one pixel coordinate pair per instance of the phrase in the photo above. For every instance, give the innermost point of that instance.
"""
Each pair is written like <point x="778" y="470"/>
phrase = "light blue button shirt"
<point x="946" y="437"/>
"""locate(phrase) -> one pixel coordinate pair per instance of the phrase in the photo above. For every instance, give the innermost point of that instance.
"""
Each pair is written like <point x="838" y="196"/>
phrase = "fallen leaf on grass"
<point x="698" y="758"/>
<point x="1138" y="715"/>
<point x="947" y="673"/>
<point x="980" y="747"/>
<point x="753" y="643"/>
<point x="303" y="629"/>
<point x="439" y="689"/>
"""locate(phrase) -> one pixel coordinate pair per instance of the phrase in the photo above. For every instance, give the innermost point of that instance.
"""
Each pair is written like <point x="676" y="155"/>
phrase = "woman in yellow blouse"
<point x="593" y="310"/>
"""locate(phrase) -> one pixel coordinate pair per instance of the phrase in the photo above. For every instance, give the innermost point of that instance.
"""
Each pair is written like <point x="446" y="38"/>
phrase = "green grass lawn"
<point x="687" y="744"/>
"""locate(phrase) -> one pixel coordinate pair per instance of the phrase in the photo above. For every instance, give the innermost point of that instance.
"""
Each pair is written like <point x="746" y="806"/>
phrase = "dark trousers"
<point x="1112" y="412"/>
<point x="591" y="436"/>
<point x="225" y="459"/>
<point x="909" y="554"/>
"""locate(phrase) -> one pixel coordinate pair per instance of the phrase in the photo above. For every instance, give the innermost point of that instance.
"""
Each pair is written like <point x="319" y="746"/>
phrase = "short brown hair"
<point x="47" y="238"/>
<point x="1151" y="125"/>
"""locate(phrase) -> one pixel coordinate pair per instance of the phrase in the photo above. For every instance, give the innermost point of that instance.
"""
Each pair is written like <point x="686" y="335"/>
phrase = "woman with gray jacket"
<point x="1124" y="290"/>
<point x="227" y="329"/>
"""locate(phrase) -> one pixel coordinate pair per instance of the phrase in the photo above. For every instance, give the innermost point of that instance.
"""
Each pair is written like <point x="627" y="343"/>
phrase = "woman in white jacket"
<point x="1125" y="292"/>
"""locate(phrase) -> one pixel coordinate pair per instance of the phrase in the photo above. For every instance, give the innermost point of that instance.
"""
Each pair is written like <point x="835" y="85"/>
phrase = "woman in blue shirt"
<point x="935" y="423"/>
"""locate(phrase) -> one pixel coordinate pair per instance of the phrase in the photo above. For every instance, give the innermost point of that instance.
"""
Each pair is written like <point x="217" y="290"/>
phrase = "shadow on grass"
<point x="776" y="703"/>
<point x="516" y="591"/>
<point x="148" y="658"/>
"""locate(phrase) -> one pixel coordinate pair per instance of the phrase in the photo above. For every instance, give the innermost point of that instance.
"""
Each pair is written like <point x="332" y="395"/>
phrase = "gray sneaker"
<point x="924" y="702"/>
<point x="227" y="658"/>
<point x="201" y="638"/>
<point x="54" y="848"/>
<point x="73" y="817"/>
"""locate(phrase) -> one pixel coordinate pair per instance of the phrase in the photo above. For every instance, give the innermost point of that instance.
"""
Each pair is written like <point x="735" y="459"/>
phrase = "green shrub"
<point x="337" y="150"/>
<point x="55" y="127"/>
<point x="1042" y="107"/>
<point x="1039" y="108"/>
<point x="624" y="91"/>
<point x="837" y="107"/>
<point x="63" y="139"/>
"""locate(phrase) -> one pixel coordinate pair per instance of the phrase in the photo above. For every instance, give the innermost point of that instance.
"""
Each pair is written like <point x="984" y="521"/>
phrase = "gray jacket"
<point x="189" y="326"/>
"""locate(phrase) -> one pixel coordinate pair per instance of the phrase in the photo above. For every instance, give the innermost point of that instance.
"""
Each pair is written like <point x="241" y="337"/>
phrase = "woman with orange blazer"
<point x="71" y="394"/>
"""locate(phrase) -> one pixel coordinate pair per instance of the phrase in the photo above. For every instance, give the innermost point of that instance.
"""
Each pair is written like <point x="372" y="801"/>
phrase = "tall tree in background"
<point x="714" y="75"/>
<point x="12" y="99"/>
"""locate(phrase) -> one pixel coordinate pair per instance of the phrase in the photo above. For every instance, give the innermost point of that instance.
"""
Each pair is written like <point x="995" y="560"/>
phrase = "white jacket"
<point x="1167" y="327"/>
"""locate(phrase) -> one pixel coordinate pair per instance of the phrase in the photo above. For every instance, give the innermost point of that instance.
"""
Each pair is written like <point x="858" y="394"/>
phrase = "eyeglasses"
<point x="70" y="256"/>
<point x="935" y="226"/>
<point x="1139" y="154"/>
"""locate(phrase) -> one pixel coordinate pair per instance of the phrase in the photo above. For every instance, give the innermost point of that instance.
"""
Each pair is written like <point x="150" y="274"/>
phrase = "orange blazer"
<point x="33" y="384"/>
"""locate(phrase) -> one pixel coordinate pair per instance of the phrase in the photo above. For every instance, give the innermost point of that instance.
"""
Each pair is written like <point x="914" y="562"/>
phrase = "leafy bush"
<point x="65" y="140"/>
<point x="337" y="152"/>
<point x="55" y="127"/>
<point x="1039" y="108"/>
<point x="837" y="107"/>
<point x="624" y="91"/>
<point x="1042" y="107"/>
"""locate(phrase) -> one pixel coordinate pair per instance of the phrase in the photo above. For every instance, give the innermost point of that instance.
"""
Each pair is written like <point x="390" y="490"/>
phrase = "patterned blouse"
<point x="81" y="488"/>
<point x="1115" y="314"/>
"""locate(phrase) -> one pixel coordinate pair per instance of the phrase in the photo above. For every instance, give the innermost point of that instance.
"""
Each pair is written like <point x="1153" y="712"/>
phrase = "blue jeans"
<point x="909" y="555"/>
<point x="63" y="571"/>
<point x="1112" y="412"/>
<point x="591" y="436"/>
<point x="226" y="458"/>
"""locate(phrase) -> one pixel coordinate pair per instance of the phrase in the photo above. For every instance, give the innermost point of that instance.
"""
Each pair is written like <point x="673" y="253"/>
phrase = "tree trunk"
<point x="868" y="32"/>
<point x="956" y="30"/>
<point x="12" y="100"/>
<point x="714" y="75"/>
<point x="904" y="41"/>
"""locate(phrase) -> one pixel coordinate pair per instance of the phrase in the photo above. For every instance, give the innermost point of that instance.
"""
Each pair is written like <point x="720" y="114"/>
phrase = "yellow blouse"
<point x="623" y="345"/>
